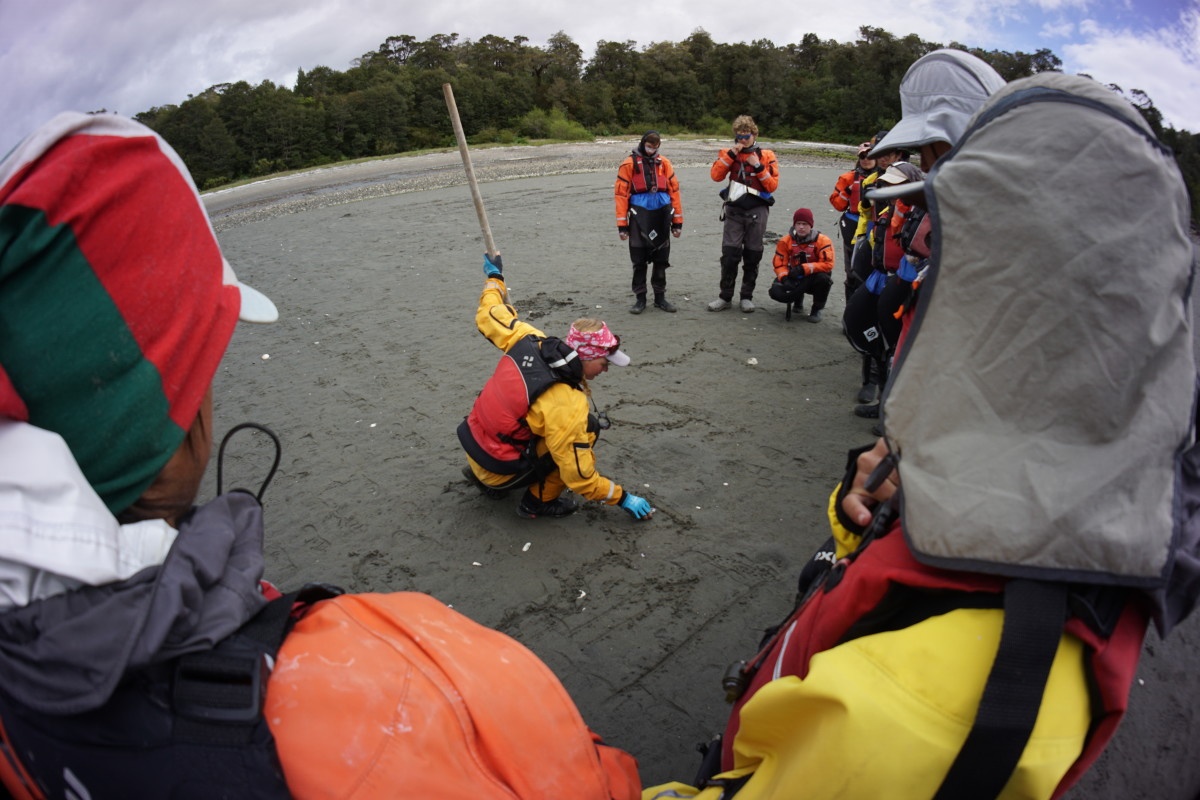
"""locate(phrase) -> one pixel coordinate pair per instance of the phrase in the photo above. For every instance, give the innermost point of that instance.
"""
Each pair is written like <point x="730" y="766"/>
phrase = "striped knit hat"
<point x="116" y="304"/>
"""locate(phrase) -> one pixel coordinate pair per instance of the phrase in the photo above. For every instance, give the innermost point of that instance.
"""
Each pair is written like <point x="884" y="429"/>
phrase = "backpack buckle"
<point x="220" y="687"/>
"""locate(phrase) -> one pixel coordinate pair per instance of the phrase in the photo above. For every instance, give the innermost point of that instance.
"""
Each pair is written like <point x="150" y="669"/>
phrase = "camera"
<point x="734" y="681"/>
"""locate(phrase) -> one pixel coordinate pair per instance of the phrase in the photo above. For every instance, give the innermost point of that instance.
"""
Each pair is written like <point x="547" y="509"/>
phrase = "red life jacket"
<point x="801" y="253"/>
<point x="742" y="173"/>
<point x="645" y="173"/>
<point x="855" y="192"/>
<point x="495" y="433"/>
<point x="883" y="587"/>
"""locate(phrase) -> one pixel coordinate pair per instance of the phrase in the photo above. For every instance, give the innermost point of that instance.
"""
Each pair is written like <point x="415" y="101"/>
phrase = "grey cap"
<point x="939" y="94"/>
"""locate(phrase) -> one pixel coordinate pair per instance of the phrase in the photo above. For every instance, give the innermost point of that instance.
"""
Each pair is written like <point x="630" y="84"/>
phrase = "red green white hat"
<point x="116" y="304"/>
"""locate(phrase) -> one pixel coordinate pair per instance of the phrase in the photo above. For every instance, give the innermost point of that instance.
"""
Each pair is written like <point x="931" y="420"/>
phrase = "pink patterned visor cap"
<point x="597" y="344"/>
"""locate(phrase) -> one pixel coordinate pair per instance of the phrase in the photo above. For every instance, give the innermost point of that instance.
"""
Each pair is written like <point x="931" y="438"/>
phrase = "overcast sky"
<point x="131" y="55"/>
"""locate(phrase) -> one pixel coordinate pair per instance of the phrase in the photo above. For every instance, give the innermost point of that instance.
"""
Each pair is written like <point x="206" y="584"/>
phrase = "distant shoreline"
<point x="336" y="184"/>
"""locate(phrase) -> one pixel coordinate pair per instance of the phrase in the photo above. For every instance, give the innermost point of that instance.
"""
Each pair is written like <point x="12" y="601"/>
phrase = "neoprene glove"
<point x="493" y="267"/>
<point x="638" y="506"/>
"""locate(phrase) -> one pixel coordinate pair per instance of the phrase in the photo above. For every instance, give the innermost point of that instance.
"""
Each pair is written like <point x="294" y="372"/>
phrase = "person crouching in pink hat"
<point x="531" y="426"/>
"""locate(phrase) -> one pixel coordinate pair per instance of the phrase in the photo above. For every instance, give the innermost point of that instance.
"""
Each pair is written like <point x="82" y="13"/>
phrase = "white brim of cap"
<point x="875" y="192"/>
<point x="618" y="358"/>
<point x="256" y="306"/>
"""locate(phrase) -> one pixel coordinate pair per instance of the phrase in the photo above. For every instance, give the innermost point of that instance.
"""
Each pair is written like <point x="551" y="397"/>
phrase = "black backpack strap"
<point x="218" y="694"/>
<point x="1034" y="615"/>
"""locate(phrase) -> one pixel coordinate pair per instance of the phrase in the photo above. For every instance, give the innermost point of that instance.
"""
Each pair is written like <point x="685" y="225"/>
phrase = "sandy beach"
<point x="735" y="426"/>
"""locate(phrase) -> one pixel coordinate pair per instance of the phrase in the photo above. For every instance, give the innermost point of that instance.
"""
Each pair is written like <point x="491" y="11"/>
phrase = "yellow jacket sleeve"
<point x="559" y="416"/>
<point x="864" y="207"/>
<point x="497" y="320"/>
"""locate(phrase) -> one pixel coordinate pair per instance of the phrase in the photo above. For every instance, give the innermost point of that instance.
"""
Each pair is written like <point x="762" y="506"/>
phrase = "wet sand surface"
<point x="735" y="426"/>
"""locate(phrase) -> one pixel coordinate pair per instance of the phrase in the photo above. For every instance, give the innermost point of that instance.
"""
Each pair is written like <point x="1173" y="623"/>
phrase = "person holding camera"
<point x="753" y="176"/>
<point x="803" y="265"/>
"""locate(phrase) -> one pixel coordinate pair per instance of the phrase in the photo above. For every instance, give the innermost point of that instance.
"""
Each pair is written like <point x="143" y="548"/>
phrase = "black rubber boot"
<point x="532" y="508"/>
<point x="661" y="302"/>
<point x="639" y="306"/>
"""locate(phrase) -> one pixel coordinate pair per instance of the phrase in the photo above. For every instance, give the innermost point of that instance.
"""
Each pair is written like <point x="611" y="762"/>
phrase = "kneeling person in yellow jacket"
<point x="530" y="426"/>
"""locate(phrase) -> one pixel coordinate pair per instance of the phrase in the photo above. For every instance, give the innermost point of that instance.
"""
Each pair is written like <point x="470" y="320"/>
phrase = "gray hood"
<point x="1042" y="407"/>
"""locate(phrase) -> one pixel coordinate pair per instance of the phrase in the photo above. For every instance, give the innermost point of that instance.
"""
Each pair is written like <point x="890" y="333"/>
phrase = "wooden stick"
<point x="466" y="158"/>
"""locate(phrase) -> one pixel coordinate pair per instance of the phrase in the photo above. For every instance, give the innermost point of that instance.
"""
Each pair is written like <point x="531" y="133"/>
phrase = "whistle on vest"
<point x="734" y="681"/>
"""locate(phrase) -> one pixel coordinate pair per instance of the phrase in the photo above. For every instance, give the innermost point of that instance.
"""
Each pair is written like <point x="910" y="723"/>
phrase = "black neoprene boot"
<point x="531" y="507"/>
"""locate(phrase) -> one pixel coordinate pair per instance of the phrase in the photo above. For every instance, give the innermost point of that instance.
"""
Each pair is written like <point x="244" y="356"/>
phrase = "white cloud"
<point x="1165" y="64"/>
<point x="1057" y="31"/>
<point x="131" y="55"/>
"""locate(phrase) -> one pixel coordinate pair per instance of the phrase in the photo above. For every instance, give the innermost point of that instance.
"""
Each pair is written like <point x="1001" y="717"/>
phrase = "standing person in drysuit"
<point x="648" y="206"/>
<point x="753" y="177"/>
<point x="530" y="426"/>
<point x="845" y="198"/>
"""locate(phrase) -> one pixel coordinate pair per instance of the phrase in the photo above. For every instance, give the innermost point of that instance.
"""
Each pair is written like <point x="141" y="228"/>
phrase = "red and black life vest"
<point x="855" y="192"/>
<point x="801" y="253"/>
<point x="495" y="433"/>
<point x="742" y="172"/>
<point x="645" y="173"/>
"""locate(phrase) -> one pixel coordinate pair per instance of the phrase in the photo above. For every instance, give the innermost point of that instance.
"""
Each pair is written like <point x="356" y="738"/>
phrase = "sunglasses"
<point x="743" y="136"/>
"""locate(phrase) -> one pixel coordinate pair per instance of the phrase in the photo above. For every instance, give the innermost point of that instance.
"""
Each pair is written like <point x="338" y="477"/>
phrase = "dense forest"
<point x="509" y="91"/>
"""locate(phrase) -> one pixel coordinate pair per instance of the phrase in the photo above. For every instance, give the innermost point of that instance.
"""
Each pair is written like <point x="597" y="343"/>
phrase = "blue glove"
<point x="493" y="267"/>
<point x="638" y="506"/>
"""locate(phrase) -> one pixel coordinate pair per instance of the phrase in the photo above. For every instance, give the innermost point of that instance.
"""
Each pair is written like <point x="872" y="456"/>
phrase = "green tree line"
<point x="510" y="91"/>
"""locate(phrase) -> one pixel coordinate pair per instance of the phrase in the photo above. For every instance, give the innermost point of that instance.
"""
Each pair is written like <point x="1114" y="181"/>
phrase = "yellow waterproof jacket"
<point x="865" y="208"/>
<point x="885" y="715"/>
<point x="558" y="417"/>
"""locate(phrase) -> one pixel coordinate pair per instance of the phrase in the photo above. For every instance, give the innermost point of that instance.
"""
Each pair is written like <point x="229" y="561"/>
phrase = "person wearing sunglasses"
<point x="753" y="176"/>
<point x="530" y="426"/>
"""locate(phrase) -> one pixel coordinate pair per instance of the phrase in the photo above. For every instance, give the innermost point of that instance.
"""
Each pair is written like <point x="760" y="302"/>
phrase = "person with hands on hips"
<point x="531" y="426"/>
